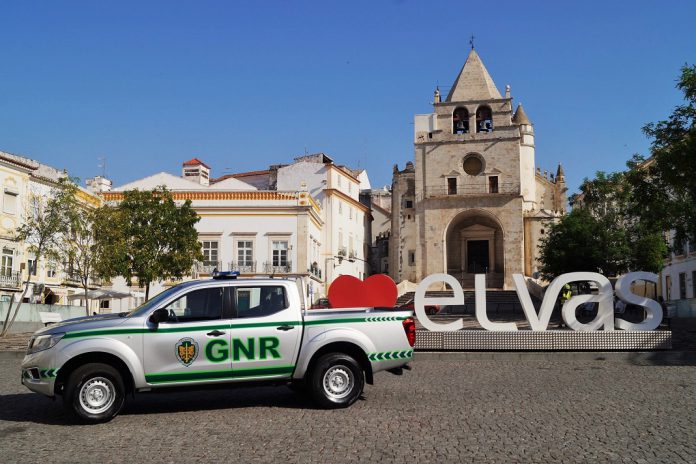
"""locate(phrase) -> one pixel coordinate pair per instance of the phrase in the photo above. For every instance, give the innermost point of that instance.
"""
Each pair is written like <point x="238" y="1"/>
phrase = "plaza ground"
<point x="444" y="410"/>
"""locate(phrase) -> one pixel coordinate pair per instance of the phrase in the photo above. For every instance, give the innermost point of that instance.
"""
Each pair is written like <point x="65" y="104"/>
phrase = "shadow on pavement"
<point x="31" y="407"/>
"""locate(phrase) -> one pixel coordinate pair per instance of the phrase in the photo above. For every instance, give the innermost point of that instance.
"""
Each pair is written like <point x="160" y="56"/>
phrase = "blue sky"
<point x="243" y="85"/>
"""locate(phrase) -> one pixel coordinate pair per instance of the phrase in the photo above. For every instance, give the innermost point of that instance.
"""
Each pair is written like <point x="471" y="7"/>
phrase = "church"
<point x="473" y="201"/>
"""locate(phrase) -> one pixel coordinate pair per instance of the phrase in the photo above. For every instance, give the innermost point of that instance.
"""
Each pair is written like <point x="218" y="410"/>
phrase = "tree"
<point x="600" y="234"/>
<point x="43" y="231"/>
<point x="148" y="237"/>
<point x="664" y="186"/>
<point x="80" y="246"/>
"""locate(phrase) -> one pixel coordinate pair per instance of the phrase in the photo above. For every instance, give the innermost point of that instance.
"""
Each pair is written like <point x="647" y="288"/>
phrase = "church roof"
<point x="520" y="116"/>
<point x="473" y="82"/>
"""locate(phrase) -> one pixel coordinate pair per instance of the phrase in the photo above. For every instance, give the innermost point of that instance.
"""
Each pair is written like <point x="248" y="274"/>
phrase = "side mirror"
<point x="159" y="315"/>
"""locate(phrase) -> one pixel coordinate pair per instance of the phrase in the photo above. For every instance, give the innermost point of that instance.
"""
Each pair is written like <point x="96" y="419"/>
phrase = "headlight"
<point x="43" y="342"/>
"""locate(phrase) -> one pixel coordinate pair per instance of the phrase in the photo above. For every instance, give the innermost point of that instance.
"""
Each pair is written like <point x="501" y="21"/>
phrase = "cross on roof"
<point x="471" y="41"/>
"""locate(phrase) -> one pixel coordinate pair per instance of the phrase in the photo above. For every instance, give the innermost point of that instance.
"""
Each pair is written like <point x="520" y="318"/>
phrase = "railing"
<point x="508" y="188"/>
<point x="10" y="279"/>
<point x="244" y="267"/>
<point x="72" y="278"/>
<point x="315" y="271"/>
<point x="207" y="267"/>
<point x="270" y="268"/>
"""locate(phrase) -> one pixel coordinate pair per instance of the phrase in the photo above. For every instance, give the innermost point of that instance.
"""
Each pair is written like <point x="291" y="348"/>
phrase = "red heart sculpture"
<point x="378" y="290"/>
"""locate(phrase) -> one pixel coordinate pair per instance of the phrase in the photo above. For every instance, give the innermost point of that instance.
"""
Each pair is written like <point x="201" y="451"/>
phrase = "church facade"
<point x="473" y="201"/>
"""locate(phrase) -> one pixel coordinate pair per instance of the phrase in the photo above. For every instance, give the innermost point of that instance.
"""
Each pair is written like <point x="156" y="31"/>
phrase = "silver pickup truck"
<point x="223" y="330"/>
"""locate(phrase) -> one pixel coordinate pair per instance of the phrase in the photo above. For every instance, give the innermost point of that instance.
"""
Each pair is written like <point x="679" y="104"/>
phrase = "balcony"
<point x="72" y="279"/>
<point x="10" y="279"/>
<point x="243" y="267"/>
<point x="508" y="188"/>
<point x="206" y="267"/>
<point x="314" y="271"/>
<point x="271" y="268"/>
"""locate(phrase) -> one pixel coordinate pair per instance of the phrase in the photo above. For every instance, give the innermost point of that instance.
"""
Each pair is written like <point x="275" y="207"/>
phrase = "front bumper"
<point x="38" y="373"/>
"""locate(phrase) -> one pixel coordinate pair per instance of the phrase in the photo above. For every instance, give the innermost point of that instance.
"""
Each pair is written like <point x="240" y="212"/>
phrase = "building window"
<point x="339" y="180"/>
<point x="350" y="212"/>
<point x="31" y="267"/>
<point x="245" y="253"/>
<point x="668" y="287"/>
<point x="7" y="259"/>
<point x="210" y="253"/>
<point x="451" y="186"/>
<point x="411" y="257"/>
<point x="9" y="204"/>
<point x="493" y="184"/>
<point x="460" y="121"/>
<point x="682" y="285"/>
<point x="280" y="253"/>
<point x="340" y="207"/>
<point x="409" y="203"/>
<point x="51" y="269"/>
<point x="484" y="119"/>
<point x="678" y="247"/>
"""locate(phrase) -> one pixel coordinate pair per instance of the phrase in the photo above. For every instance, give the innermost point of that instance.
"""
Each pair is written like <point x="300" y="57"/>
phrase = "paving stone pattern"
<point x="442" y="411"/>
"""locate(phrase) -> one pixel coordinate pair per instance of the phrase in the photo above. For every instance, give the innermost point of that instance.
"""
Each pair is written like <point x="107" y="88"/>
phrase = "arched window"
<point x="460" y="121"/>
<point x="484" y="119"/>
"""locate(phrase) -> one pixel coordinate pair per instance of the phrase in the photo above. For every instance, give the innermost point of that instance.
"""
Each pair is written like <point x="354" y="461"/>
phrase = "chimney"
<point x="98" y="184"/>
<point x="197" y="171"/>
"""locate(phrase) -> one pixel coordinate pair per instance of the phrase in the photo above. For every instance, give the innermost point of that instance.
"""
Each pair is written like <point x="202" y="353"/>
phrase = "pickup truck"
<point x="218" y="331"/>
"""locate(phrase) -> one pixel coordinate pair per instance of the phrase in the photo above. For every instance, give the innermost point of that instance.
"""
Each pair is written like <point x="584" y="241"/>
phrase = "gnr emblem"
<point x="186" y="351"/>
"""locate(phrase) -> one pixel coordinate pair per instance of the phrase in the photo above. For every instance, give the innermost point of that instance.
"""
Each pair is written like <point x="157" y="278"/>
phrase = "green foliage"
<point x="43" y="231"/>
<point x="600" y="234"/>
<point x="664" y="186"/>
<point x="148" y="237"/>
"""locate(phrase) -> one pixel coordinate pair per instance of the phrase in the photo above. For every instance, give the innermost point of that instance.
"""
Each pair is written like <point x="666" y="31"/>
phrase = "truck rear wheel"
<point x="94" y="393"/>
<point x="336" y="381"/>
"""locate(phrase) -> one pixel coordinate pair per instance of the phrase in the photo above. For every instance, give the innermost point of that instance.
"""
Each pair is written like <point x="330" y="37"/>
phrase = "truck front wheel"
<point x="94" y="393"/>
<point x="336" y="381"/>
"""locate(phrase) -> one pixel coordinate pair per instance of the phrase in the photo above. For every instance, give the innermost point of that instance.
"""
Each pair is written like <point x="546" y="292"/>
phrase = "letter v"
<point x="540" y="322"/>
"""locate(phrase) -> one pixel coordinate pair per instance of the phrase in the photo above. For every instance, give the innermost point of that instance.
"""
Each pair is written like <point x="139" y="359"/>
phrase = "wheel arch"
<point x="348" y="348"/>
<point x="94" y="357"/>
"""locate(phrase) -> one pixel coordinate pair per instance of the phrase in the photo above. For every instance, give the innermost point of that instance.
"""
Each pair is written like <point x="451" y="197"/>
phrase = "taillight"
<point x="410" y="329"/>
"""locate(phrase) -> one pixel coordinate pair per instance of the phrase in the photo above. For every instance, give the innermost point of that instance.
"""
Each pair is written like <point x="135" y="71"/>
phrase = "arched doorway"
<point x="474" y="243"/>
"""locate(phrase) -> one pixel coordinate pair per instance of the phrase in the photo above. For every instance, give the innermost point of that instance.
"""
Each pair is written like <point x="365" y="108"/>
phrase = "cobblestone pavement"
<point x="442" y="411"/>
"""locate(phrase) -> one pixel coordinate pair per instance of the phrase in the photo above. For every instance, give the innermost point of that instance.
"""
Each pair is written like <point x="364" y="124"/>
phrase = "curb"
<point x="631" y="357"/>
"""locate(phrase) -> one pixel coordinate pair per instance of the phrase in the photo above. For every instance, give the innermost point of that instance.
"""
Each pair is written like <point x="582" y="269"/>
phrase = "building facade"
<point x="302" y="219"/>
<point x="473" y="201"/>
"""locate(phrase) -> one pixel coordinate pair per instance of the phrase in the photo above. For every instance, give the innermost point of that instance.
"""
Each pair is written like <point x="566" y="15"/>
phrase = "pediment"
<point x="452" y="173"/>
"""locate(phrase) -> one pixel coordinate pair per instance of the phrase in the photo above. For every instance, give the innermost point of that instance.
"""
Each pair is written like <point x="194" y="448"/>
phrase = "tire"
<point x="336" y="381"/>
<point x="94" y="393"/>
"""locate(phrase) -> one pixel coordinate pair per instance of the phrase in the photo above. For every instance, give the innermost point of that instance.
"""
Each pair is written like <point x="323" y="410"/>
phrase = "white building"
<point x="678" y="277"/>
<point x="300" y="219"/>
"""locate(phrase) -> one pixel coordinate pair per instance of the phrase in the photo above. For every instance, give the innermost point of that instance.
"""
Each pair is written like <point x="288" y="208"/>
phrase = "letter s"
<point x="652" y="308"/>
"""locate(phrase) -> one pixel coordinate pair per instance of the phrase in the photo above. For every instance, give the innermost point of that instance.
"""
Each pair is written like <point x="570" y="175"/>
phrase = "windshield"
<point x="156" y="300"/>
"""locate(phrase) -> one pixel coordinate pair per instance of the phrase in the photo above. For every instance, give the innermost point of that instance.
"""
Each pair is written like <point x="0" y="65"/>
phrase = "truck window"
<point x="260" y="301"/>
<point x="199" y="305"/>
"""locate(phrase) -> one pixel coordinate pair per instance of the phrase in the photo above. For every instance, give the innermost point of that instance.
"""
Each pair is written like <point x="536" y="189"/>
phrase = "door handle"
<point x="285" y="328"/>
<point x="216" y="333"/>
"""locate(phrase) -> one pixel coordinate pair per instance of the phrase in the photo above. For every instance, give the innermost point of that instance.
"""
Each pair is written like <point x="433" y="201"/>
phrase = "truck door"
<point x="191" y="346"/>
<point x="265" y="332"/>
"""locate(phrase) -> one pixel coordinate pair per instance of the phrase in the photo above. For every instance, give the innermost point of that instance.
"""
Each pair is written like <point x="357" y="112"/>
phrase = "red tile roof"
<point x="195" y="162"/>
